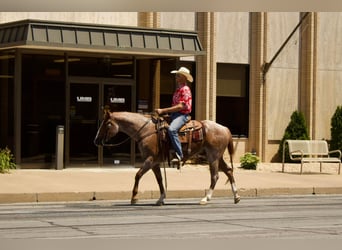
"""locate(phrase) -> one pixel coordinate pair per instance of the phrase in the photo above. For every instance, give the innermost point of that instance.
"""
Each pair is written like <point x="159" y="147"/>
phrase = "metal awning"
<point x="37" y="34"/>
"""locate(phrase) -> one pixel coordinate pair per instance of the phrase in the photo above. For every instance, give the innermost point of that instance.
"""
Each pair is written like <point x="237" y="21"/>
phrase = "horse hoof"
<point x="203" y="202"/>
<point x="160" y="203"/>
<point x="237" y="200"/>
<point x="134" y="201"/>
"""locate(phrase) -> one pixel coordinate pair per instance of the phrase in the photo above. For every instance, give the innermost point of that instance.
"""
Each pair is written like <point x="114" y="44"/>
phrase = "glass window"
<point x="232" y="102"/>
<point x="43" y="106"/>
<point x="7" y="100"/>
<point x="101" y="67"/>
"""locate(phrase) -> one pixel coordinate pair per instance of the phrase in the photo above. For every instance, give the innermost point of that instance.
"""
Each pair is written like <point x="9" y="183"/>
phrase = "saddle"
<point x="191" y="131"/>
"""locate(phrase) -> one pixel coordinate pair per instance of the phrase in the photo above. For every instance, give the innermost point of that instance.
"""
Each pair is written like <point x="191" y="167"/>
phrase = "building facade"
<point x="251" y="71"/>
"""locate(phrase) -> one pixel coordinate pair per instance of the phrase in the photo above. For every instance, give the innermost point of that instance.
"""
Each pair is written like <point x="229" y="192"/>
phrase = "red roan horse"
<point x="216" y="138"/>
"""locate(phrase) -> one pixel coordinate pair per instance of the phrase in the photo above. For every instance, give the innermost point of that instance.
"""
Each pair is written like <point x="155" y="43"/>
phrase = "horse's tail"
<point x="231" y="148"/>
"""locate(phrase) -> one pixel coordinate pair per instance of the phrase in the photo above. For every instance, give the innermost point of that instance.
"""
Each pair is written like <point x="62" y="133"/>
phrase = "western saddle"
<point x="191" y="131"/>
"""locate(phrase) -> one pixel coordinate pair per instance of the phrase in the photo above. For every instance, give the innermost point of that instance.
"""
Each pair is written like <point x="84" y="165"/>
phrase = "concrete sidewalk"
<point x="85" y="184"/>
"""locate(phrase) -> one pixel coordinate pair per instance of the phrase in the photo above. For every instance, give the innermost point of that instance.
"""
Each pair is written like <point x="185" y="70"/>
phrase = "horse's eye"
<point x="109" y="125"/>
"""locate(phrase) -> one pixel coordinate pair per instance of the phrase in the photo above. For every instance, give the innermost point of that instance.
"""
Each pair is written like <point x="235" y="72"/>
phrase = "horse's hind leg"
<point x="229" y="172"/>
<point x="157" y="173"/>
<point x="213" y="167"/>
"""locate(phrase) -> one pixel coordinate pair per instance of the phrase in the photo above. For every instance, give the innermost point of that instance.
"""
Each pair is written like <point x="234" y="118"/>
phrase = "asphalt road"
<point x="286" y="217"/>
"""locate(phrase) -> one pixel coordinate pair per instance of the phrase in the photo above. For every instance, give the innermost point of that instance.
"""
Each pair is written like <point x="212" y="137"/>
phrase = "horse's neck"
<point x="129" y="123"/>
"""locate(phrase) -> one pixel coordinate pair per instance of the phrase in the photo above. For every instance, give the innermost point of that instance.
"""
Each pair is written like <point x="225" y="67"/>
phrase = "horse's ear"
<point x="106" y="110"/>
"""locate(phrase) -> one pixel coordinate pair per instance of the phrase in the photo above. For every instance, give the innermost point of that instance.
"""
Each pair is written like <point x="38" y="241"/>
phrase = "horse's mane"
<point x="128" y="116"/>
<point x="129" y="119"/>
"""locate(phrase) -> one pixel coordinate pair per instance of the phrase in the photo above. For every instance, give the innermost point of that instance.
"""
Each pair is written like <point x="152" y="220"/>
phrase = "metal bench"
<point x="310" y="151"/>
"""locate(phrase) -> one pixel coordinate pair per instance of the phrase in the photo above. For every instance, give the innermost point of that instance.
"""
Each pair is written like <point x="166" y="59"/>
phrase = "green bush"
<point x="336" y="130"/>
<point x="296" y="130"/>
<point x="6" y="160"/>
<point x="249" y="161"/>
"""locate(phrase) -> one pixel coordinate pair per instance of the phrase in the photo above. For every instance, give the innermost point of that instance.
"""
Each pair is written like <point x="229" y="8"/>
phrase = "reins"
<point x="162" y="150"/>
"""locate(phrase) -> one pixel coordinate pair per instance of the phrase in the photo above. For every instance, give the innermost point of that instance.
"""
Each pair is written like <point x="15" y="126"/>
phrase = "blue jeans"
<point x="177" y="121"/>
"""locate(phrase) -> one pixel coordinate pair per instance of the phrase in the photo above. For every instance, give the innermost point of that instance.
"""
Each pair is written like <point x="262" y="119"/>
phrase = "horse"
<point x="142" y="129"/>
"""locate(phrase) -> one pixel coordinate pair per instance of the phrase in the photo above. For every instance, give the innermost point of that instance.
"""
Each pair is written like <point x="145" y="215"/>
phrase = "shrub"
<point x="249" y="161"/>
<point x="6" y="160"/>
<point x="336" y="130"/>
<point x="296" y="130"/>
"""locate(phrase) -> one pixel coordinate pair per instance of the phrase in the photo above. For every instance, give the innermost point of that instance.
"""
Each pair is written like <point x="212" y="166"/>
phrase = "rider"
<point x="180" y="109"/>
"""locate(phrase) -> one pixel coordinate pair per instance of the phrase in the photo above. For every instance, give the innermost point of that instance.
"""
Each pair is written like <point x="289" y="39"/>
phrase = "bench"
<point x="310" y="151"/>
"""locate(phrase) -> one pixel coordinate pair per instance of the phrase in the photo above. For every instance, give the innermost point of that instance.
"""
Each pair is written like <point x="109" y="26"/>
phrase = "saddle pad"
<point x="193" y="126"/>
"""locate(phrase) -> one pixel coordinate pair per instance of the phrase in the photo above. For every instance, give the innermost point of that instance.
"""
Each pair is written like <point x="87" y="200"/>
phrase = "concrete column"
<point x="4" y="111"/>
<point x="156" y="85"/>
<point x="257" y="90"/>
<point x="149" y="19"/>
<point x="307" y="71"/>
<point x="152" y="20"/>
<point x="17" y="106"/>
<point x="206" y="67"/>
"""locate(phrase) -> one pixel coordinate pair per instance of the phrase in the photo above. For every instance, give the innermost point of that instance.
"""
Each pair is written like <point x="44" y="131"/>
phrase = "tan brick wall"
<point x="206" y="68"/>
<point x="256" y="86"/>
<point x="108" y="18"/>
<point x="328" y="87"/>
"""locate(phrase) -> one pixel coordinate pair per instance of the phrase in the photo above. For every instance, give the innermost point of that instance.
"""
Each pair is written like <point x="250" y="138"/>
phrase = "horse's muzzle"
<point x="98" y="142"/>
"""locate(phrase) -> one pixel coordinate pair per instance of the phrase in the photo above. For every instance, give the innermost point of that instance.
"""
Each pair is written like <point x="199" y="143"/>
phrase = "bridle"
<point x="129" y="137"/>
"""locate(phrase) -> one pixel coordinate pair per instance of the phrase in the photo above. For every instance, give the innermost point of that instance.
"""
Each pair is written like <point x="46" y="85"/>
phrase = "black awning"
<point x="87" y="37"/>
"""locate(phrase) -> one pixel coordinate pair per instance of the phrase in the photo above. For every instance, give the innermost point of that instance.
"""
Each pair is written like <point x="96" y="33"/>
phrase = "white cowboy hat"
<point x="184" y="71"/>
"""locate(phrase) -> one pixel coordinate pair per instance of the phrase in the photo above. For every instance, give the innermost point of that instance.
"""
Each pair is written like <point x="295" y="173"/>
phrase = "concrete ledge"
<point x="65" y="196"/>
<point x="124" y="195"/>
<point x="283" y="191"/>
<point x="327" y="190"/>
<point x="17" y="198"/>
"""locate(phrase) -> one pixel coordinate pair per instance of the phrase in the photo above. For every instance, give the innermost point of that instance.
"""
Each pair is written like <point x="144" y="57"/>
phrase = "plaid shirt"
<point x="183" y="95"/>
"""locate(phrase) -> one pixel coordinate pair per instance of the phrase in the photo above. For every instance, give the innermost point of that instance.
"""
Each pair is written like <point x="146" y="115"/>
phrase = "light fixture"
<point x="69" y="60"/>
<point x="6" y="57"/>
<point x="6" y="76"/>
<point x="122" y="63"/>
<point x="122" y="75"/>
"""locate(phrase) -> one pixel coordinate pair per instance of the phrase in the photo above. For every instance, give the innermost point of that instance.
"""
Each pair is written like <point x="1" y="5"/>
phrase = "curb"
<point x="172" y="194"/>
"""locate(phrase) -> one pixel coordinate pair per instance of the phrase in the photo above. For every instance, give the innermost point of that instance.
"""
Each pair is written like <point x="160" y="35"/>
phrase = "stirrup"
<point x="180" y="161"/>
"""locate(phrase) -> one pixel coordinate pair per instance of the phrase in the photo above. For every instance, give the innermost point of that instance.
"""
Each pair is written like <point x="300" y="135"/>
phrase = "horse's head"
<point x="108" y="129"/>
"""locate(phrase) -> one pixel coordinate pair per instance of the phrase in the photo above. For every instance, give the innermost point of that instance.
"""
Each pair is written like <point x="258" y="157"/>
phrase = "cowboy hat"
<point x="184" y="71"/>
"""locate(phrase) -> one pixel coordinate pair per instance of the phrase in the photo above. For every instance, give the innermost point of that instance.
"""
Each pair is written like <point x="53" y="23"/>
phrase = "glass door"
<point x="87" y="100"/>
<point x="118" y="98"/>
<point x="83" y="121"/>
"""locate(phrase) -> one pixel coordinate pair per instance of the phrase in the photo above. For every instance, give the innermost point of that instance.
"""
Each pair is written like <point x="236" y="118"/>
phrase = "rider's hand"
<point x="158" y="111"/>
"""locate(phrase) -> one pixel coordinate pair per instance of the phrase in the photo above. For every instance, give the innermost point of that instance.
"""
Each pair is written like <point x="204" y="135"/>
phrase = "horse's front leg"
<point x="157" y="173"/>
<point x="213" y="166"/>
<point x="147" y="166"/>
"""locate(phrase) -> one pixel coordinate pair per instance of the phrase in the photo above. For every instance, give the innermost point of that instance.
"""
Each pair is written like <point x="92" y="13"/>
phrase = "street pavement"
<point x="191" y="181"/>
